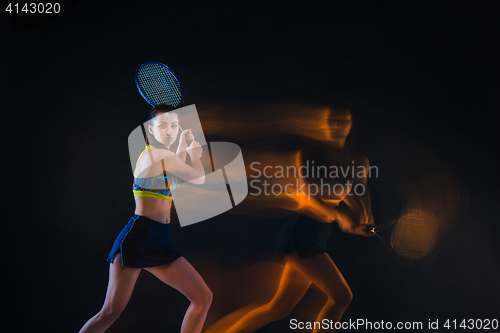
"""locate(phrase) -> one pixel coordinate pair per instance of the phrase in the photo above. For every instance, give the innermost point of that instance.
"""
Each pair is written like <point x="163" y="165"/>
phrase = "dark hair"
<point x="157" y="110"/>
<point x="161" y="108"/>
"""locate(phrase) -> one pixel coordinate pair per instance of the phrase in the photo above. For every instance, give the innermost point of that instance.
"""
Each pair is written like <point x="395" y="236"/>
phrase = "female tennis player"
<point x="144" y="241"/>
<point x="304" y="238"/>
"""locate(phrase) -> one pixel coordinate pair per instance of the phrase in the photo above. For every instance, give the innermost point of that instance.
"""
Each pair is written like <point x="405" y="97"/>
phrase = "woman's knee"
<point x="342" y="297"/>
<point x="208" y="296"/>
<point x="109" y="314"/>
<point x="203" y="297"/>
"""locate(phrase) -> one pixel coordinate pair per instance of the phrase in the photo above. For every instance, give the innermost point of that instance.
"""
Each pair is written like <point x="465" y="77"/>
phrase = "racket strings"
<point x="414" y="235"/>
<point x="159" y="85"/>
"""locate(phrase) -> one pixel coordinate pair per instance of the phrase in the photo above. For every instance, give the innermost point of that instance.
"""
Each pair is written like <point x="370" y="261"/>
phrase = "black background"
<point x="423" y="79"/>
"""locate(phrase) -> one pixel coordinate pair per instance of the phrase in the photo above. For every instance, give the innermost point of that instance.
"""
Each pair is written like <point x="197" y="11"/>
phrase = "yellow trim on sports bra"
<point x="147" y="194"/>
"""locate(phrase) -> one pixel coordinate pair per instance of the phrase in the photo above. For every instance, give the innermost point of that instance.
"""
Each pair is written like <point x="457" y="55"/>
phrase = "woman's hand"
<point x="186" y="135"/>
<point x="195" y="149"/>
<point x="350" y="224"/>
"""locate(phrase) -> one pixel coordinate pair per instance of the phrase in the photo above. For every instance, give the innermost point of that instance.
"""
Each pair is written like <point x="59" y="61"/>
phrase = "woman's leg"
<point x="293" y="285"/>
<point x="323" y="272"/>
<point x="183" y="277"/>
<point x="120" y="286"/>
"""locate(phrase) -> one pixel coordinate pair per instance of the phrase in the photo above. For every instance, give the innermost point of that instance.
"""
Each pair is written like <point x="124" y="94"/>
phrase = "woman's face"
<point x="165" y="128"/>
<point x="339" y="124"/>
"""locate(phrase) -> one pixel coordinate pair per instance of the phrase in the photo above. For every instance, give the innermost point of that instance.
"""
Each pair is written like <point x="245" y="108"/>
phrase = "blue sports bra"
<point x="161" y="186"/>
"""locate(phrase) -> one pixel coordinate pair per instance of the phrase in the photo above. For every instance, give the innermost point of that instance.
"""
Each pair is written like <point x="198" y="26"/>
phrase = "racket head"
<point x="415" y="234"/>
<point x="412" y="236"/>
<point x="158" y="84"/>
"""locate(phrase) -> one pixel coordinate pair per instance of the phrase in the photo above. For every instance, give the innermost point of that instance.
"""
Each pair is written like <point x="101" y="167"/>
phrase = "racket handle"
<point x="376" y="229"/>
<point x="182" y="131"/>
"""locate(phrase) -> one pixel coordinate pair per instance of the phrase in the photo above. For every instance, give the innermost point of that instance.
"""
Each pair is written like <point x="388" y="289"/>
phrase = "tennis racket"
<point x="411" y="236"/>
<point x="158" y="84"/>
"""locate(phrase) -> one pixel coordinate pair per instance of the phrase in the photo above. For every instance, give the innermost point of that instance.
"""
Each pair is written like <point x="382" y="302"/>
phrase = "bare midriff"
<point x="154" y="208"/>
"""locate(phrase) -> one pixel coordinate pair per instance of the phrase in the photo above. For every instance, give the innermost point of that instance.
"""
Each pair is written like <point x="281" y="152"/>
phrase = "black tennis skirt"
<point x="143" y="243"/>
<point x="304" y="235"/>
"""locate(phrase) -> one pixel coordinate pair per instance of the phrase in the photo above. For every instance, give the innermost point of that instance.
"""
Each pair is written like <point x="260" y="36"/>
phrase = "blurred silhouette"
<point x="339" y="179"/>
